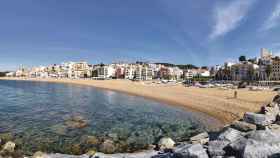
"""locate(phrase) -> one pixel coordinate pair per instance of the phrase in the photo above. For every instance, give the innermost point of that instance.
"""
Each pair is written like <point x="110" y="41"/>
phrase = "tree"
<point x="242" y="58"/>
<point x="204" y="67"/>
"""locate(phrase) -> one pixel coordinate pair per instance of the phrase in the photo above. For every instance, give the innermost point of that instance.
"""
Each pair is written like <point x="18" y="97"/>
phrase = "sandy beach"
<point x="215" y="102"/>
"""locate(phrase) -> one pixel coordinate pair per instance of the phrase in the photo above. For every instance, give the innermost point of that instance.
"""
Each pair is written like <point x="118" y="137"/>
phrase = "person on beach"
<point x="235" y="94"/>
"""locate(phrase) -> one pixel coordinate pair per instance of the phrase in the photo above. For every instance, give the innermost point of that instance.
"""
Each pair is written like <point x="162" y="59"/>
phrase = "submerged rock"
<point x="6" y="137"/>
<point x="59" y="129"/>
<point x="108" y="147"/>
<point x="76" y="122"/>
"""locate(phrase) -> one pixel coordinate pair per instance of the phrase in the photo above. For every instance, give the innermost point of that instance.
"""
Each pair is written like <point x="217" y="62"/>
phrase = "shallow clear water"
<point x="71" y="119"/>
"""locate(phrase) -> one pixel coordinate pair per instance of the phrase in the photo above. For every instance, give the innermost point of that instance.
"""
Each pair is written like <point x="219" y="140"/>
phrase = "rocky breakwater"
<point x="257" y="135"/>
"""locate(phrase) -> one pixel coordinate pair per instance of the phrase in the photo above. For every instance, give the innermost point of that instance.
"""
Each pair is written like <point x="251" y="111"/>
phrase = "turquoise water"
<point x="72" y="119"/>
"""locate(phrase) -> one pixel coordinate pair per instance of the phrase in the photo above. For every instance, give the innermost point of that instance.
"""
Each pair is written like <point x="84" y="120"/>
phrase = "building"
<point x="175" y="73"/>
<point x="120" y="72"/>
<point x="244" y="71"/>
<point x="264" y="62"/>
<point x="147" y="73"/>
<point x="22" y="72"/>
<point x="266" y="54"/>
<point x="275" y="69"/>
<point x="164" y="73"/>
<point x="188" y="74"/>
<point x="130" y="72"/>
<point x="104" y="72"/>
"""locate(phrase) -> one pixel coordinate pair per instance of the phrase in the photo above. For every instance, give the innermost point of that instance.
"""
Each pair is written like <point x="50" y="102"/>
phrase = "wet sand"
<point x="214" y="102"/>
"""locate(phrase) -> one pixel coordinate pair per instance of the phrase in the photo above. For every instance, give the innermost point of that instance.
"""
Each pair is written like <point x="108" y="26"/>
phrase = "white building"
<point x="130" y="72"/>
<point x="244" y="71"/>
<point x="105" y="71"/>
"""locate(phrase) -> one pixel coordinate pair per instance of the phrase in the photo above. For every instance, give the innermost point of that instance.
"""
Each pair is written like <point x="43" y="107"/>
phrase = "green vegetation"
<point x="187" y="66"/>
<point x="242" y="58"/>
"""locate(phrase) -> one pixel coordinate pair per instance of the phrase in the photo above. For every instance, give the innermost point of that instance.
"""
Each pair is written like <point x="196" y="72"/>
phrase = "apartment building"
<point x="275" y="69"/>
<point x="244" y="71"/>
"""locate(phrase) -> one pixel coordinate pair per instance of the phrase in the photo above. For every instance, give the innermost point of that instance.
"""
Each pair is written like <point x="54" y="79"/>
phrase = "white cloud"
<point x="273" y="20"/>
<point x="228" y="17"/>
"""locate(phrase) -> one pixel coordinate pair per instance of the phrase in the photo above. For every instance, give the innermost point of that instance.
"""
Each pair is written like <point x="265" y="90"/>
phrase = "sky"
<point x="44" y="32"/>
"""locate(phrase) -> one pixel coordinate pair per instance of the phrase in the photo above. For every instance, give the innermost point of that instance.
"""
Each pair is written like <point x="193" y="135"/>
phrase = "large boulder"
<point x="271" y="110"/>
<point x="217" y="147"/>
<point x="276" y="99"/>
<point x="236" y="148"/>
<point x="258" y="119"/>
<point x="243" y="126"/>
<point x="201" y="138"/>
<point x="262" y="144"/>
<point x="274" y="128"/>
<point x="9" y="147"/>
<point x="230" y="135"/>
<point x="166" y="143"/>
<point x="190" y="151"/>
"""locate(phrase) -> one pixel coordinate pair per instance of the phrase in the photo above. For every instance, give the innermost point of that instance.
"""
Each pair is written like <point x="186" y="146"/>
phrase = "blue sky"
<point x="34" y="32"/>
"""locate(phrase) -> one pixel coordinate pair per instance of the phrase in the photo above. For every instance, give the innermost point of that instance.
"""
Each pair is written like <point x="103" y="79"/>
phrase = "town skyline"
<point x="184" y="32"/>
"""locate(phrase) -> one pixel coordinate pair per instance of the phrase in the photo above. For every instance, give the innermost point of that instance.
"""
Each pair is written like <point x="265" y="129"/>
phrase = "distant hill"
<point x="187" y="66"/>
<point x="166" y="64"/>
<point x="181" y="66"/>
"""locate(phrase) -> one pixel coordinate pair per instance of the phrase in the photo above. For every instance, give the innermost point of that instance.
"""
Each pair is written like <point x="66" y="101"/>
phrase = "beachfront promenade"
<point x="215" y="102"/>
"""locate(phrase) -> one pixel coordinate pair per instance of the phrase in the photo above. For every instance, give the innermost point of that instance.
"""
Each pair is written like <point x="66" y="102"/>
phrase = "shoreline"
<point x="213" y="102"/>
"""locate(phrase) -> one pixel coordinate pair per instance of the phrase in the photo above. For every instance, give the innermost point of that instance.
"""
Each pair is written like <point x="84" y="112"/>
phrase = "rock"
<point x="91" y="140"/>
<point x="189" y="151"/>
<point x="236" y="148"/>
<point x="91" y="153"/>
<point x="166" y="143"/>
<point x="201" y="138"/>
<point x="76" y="124"/>
<point x="108" y="147"/>
<point x="255" y="149"/>
<point x="243" y="126"/>
<point x="40" y="154"/>
<point x="258" y="119"/>
<point x="216" y="147"/>
<point x="274" y="127"/>
<point x="59" y="129"/>
<point x="9" y="147"/>
<point x="230" y="135"/>
<point x="262" y="144"/>
<point x="276" y="99"/>
<point x="271" y="110"/>
<point x="164" y="155"/>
